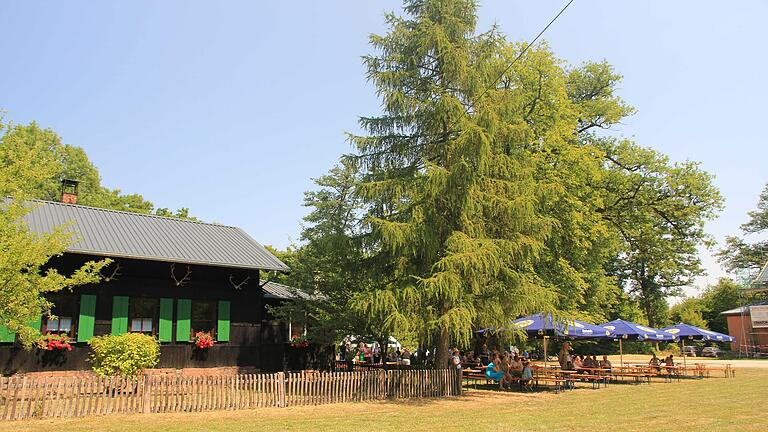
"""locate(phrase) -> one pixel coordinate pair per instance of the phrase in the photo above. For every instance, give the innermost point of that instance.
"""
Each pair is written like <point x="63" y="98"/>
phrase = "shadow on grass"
<point x="474" y="395"/>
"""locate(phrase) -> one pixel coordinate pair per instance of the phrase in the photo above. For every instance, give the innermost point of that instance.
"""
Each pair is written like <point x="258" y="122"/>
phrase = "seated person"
<point x="605" y="363"/>
<point x="526" y="376"/>
<point x="670" y="360"/>
<point x="494" y="370"/>
<point x="516" y="366"/>
<point x="654" y="363"/>
<point x="508" y="379"/>
<point x="587" y="362"/>
<point x="577" y="363"/>
<point x="595" y="363"/>
<point x="405" y="357"/>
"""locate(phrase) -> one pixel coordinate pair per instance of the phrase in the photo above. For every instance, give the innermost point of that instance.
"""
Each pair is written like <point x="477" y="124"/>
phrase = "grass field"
<point x="710" y="404"/>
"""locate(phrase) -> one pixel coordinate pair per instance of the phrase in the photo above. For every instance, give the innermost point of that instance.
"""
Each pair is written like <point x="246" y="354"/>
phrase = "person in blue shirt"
<point x="494" y="370"/>
<point x="526" y="376"/>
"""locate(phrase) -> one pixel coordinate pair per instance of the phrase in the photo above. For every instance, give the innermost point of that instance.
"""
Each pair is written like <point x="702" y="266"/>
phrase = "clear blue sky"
<point x="230" y="108"/>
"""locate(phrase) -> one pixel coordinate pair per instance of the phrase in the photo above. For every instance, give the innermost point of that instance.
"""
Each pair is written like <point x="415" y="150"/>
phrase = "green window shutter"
<point x="119" y="315"/>
<point x="222" y="328"/>
<point x="86" y="319"/>
<point x="183" y="313"/>
<point x="166" y="320"/>
<point x="6" y="335"/>
<point x="36" y="324"/>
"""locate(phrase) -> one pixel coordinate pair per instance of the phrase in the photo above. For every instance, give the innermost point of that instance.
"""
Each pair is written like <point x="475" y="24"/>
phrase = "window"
<point x="59" y="325"/>
<point x="65" y="309"/>
<point x="203" y="316"/>
<point x="142" y="314"/>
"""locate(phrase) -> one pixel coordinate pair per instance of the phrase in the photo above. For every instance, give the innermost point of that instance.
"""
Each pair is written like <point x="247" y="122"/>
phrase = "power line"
<point x="519" y="56"/>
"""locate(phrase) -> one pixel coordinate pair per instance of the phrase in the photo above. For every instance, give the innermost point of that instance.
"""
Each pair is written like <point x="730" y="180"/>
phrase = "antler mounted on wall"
<point x="183" y="281"/>
<point x="115" y="273"/>
<point x="238" y="285"/>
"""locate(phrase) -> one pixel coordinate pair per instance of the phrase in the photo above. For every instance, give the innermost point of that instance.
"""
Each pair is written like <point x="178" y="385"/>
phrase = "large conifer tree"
<point x="454" y="172"/>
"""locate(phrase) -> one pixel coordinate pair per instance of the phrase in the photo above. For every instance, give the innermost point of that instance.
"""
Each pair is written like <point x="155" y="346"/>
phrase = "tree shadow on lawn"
<point x="481" y="395"/>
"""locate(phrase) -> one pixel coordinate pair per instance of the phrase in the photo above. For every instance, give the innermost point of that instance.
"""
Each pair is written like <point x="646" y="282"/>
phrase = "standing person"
<point x="564" y="356"/>
<point x="455" y="360"/>
<point x="343" y="352"/>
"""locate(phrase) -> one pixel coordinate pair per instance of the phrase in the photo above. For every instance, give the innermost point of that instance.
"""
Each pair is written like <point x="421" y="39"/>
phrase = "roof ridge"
<point x="265" y="282"/>
<point x="59" y="203"/>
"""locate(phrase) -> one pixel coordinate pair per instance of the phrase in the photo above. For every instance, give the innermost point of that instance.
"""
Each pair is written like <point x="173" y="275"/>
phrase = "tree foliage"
<point x="689" y="311"/>
<point x="32" y="163"/>
<point x="331" y="266"/>
<point x="705" y="310"/>
<point x="27" y="150"/>
<point x="739" y="254"/>
<point x="23" y="282"/>
<point x="659" y="210"/>
<point x="722" y="296"/>
<point x="489" y="193"/>
<point x="484" y="191"/>
<point x="123" y="355"/>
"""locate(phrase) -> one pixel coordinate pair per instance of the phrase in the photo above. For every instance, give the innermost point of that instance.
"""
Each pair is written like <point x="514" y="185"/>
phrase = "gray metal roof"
<point x="762" y="277"/>
<point x="121" y="234"/>
<point x="742" y="309"/>
<point x="274" y="290"/>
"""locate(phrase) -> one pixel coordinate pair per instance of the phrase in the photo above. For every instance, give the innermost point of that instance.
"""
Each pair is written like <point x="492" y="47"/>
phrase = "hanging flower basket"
<point x="299" y="342"/>
<point x="203" y="340"/>
<point x="55" y="342"/>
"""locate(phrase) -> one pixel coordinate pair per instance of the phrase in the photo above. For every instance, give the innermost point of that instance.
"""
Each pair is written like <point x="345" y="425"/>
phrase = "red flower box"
<point x="203" y="340"/>
<point x="299" y="342"/>
<point x="55" y="342"/>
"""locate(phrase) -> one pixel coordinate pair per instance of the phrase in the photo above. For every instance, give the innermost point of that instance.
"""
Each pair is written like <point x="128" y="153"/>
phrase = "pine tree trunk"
<point x="441" y="351"/>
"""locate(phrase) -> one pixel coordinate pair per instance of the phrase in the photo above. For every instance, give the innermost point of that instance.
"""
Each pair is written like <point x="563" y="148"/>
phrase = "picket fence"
<point x="46" y="397"/>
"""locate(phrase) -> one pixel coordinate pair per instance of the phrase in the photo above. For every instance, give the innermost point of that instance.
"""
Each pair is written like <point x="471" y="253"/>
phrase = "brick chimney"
<point x="69" y="191"/>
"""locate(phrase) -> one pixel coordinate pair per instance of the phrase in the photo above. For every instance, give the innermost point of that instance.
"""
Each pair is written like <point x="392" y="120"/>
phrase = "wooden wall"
<point x="254" y="341"/>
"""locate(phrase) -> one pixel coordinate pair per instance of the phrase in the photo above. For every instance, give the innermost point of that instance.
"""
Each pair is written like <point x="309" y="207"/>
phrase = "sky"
<point x="231" y="108"/>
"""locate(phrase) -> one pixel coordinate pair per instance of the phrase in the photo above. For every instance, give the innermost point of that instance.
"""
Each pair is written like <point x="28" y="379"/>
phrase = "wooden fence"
<point x="41" y="397"/>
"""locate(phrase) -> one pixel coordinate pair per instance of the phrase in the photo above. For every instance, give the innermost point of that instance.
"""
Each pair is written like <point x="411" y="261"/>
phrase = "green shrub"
<point x="125" y="355"/>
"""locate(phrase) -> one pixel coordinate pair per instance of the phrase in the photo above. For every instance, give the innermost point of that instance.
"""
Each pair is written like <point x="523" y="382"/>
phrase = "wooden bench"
<point x="594" y="379"/>
<point x="636" y="377"/>
<point x="727" y="370"/>
<point x="475" y="377"/>
<point x="559" y="383"/>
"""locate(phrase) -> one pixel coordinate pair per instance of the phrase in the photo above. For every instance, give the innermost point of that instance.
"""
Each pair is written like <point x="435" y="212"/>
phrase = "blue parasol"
<point x="544" y="325"/>
<point x="687" y="331"/>
<point x="621" y="329"/>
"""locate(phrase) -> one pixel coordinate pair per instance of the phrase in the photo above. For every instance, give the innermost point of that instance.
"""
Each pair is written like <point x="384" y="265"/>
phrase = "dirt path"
<point x="738" y="363"/>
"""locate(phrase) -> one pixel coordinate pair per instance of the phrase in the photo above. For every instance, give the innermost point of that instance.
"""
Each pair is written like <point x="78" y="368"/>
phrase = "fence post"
<point x="281" y="389"/>
<point x="146" y="406"/>
<point x="459" y="382"/>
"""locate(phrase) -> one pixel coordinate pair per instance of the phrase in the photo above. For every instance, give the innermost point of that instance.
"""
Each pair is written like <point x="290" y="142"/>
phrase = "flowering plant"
<point x="59" y="342"/>
<point x="203" y="340"/>
<point x="299" y="342"/>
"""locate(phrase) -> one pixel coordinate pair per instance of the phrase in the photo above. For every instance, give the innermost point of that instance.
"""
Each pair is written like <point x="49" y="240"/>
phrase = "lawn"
<point x="710" y="404"/>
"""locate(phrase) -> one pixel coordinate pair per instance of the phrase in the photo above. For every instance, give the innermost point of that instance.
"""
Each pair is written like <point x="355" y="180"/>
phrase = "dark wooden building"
<point x="170" y="278"/>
